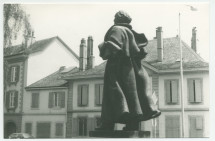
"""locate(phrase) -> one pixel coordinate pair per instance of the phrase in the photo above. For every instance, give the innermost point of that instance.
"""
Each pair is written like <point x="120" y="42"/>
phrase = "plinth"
<point x="120" y="134"/>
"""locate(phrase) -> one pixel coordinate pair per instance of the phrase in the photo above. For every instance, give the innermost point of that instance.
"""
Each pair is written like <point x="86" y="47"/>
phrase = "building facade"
<point x="27" y="63"/>
<point x="67" y="103"/>
<point x="13" y="92"/>
<point x="45" y="107"/>
<point x="163" y="66"/>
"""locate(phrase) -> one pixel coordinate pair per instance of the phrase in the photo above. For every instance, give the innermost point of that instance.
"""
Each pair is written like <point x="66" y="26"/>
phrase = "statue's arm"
<point x="112" y="44"/>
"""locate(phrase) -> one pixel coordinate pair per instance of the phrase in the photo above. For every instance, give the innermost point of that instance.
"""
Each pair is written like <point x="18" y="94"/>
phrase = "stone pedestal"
<point x="120" y="134"/>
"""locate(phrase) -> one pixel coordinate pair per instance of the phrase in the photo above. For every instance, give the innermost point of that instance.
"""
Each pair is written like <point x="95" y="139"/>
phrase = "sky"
<point x="72" y="22"/>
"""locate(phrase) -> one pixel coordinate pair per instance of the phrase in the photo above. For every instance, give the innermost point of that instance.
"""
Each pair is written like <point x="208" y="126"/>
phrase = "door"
<point x="10" y="128"/>
<point x="43" y="130"/>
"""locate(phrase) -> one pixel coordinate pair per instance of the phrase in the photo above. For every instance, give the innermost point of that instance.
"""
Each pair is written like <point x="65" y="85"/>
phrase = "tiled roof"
<point x="35" y="47"/>
<point x="52" y="80"/>
<point x="97" y="70"/>
<point x="171" y="53"/>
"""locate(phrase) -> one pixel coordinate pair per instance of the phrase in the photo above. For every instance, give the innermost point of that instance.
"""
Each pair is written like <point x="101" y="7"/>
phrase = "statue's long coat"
<point x="125" y="79"/>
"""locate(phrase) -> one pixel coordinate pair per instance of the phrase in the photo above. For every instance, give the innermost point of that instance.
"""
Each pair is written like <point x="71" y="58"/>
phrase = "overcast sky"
<point x="72" y="22"/>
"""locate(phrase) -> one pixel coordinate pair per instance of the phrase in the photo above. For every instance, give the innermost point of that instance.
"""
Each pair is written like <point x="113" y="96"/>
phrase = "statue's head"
<point x="122" y="17"/>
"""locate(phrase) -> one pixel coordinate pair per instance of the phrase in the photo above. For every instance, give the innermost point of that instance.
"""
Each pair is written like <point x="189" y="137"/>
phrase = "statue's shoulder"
<point x="118" y="28"/>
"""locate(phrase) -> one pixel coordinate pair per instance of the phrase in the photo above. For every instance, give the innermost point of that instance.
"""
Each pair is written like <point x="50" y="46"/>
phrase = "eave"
<point x="44" y="88"/>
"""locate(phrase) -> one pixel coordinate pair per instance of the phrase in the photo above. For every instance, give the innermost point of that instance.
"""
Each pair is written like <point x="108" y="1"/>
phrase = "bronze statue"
<point x="125" y="95"/>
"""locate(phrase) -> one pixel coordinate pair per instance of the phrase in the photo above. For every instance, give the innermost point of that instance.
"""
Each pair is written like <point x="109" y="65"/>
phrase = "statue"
<point x="125" y="80"/>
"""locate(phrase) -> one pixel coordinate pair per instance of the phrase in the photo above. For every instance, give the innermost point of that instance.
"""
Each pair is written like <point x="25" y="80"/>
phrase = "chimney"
<point x="194" y="39"/>
<point x="159" y="36"/>
<point x="90" y="57"/>
<point x="83" y="55"/>
<point x="29" y="38"/>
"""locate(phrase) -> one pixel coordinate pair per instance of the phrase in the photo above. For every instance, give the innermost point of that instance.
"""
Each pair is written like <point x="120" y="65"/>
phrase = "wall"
<point x="43" y="63"/>
<point x="91" y="102"/>
<point x="203" y="76"/>
<point x="18" y="86"/>
<point x="43" y="102"/>
<point x="204" y="114"/>
<point x="190" y="109"/>
<point x="43" y="113"/>
<point x="44" y="118"/>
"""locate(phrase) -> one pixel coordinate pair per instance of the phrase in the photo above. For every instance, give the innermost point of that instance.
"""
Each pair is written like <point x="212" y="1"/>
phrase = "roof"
<point x="171" y="55"/>
<point x="52" y="80"/>
<point x="36" y="47"/>
<point x="171" y="52"/>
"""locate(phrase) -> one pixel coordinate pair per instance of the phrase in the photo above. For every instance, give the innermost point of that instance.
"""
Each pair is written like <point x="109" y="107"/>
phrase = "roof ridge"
<point x="76" y="56"/>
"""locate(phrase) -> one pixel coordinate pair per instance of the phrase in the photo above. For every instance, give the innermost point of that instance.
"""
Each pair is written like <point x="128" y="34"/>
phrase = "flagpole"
<point x="181" y="74"/>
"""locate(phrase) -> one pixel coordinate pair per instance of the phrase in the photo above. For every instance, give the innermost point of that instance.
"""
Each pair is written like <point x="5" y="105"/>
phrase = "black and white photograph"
<point x="90" y="70"/>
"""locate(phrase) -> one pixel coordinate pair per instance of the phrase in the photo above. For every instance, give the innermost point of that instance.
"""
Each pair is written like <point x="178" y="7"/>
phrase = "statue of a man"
<point x="125" y="81"/>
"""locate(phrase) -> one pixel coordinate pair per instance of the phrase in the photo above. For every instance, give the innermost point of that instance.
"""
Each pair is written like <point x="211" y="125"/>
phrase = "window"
<point x="196" y="126"/>
<point x="82" y="121"/>
<point x="59" y="129"/>
<point x="35" y="100"/>
<point x="171" y="90"/>
<point x="11" y="99"/>
<point x="14" y="74"/>
<point x="98" y="94"/>
<point x="57" y="99"/>
<point x="28" y="128"/>
<point x="195" y="90"/>
<point x="172" y="126"/>
<point x="98" y="121"/>
<point x="82" y="95"/>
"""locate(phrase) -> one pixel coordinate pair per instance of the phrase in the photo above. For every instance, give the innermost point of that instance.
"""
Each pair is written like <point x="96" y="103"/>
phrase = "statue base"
<point x="120" y="134"/>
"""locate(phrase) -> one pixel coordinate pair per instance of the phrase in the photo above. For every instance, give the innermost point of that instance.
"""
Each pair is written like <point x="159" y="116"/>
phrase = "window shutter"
<point x="101" y="93"/>
<point x="16" y="100"/>
<point x="85" y="95"/>
<point x="28" y="128"/>
<point x="198" y="90"/>
<point x="59" y="129"/>
<point x="172" y="126"/>
<point x="167" y="86"/>
<point x="17" y="73"/>
<point x="51" y="98"/>
<point x="35" y="100"/>
<point x="199" y="123"/>
<point x="174" y="91"/>
<point x="196" y="126"/>
<point x="97" y="94"/>
<point x="191" y="90"/>
<point x="79" y="95"/>
<point x="75" y="127"/>
<point x="7" y="99"/>
<point x="9" y="75"/>
<point x="62" y="99"/>
<point x="90" y="125"/>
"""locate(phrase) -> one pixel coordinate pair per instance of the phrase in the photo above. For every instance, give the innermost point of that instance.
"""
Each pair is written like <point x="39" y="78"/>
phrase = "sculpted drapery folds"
<point x="125" y="81"/>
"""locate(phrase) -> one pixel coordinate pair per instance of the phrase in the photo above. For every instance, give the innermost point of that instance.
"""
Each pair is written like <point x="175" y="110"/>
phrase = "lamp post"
<point x="181" y="73"/>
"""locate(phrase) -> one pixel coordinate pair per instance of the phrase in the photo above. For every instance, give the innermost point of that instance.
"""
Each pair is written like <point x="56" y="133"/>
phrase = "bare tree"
<point x="15" y="20"/>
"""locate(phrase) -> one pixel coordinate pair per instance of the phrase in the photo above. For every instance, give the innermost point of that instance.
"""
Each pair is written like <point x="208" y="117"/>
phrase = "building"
<point x="45" y="106"/>
<point x="25" y="64"/>
<point x="163" y="66"/>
